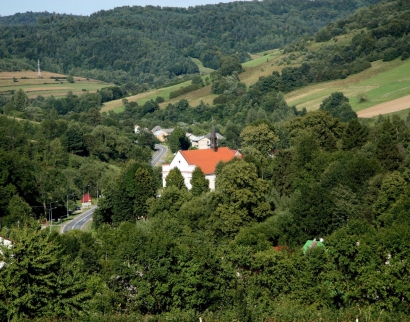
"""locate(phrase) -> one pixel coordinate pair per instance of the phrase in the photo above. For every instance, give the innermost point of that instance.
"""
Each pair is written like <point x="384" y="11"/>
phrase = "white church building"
<point x="206" y="159"/>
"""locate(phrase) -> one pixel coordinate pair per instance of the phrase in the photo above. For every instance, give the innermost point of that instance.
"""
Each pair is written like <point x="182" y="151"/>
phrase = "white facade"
<point x="183" y="166"/>
<point x="186" y="171"/>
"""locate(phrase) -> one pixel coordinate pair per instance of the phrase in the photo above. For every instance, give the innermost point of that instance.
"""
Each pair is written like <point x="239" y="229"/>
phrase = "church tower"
<point x="214" y="139"/>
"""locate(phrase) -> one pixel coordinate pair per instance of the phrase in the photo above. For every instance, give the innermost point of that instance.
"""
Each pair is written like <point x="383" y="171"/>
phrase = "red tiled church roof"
<point x="87" y="198"/>
<point x="207" y="159"/>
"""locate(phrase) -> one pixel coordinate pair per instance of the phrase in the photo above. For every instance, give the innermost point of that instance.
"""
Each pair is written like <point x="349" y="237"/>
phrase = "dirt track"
<point x="386" y="108"/>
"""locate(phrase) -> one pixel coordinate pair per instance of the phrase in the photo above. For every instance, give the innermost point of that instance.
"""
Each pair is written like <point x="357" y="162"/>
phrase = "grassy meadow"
<point x="383" y="82"/>
<point x="49" y="84"/>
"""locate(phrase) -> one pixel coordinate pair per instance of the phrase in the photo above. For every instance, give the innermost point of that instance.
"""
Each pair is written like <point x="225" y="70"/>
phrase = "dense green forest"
<point x="160" y="254"/>
<point x="128" y="44"/>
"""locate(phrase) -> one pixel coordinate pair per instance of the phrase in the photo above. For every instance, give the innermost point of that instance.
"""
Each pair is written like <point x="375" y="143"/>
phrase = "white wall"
<point x="183" y="166"/>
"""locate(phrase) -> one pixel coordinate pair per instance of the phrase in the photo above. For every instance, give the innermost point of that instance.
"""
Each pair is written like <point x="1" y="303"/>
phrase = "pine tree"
<point x="355" y="135"/>
<point x="145" y="190"/>
<point x="199" y="183"/>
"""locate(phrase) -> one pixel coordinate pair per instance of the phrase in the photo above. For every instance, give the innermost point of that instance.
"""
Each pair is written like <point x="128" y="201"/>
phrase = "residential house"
<point x="204" y="141"/>
<point x="161" y="134"/>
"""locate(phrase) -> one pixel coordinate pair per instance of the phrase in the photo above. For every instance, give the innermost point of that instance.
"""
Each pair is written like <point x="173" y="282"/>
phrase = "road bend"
<point x="161" y="150"/>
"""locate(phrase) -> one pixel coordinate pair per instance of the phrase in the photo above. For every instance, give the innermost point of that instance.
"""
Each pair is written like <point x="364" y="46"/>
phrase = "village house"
<point x="161" y="134"/>
<point x="206" y="159"/>
<point x="202" y="142"/>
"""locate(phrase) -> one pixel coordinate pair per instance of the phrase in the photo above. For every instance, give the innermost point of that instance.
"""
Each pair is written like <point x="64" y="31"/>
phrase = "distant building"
<point x="137" y="129"/>
<point x="206" y="159"/>
<point x="86" y="201"/>
<point x="161" y="134"/>
<point x="204" y="141"/>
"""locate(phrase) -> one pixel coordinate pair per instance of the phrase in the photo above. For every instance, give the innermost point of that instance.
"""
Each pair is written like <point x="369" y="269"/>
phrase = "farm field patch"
<point x="381" y="83"/>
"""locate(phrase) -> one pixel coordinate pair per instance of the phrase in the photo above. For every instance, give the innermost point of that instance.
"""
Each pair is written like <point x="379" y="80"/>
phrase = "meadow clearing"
<point x="383" y="82"/>
<point x="49" y="84"/>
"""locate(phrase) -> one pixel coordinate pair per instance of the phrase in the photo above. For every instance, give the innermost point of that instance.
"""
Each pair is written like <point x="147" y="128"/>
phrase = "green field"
<point x="383" y="82"/>
<point x="117" y="106"/>
<point x="265" y="57"/>
<point x="46" y="85"/>
<point x="202" y="69"/>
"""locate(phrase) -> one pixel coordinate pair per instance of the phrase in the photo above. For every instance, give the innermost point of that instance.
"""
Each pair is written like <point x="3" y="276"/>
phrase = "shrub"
<point x="390" y="54"/>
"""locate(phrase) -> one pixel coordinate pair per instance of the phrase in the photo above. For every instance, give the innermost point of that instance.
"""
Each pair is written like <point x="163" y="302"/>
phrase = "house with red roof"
<point x="86" y="201"/>
<point x="206" y="159"/>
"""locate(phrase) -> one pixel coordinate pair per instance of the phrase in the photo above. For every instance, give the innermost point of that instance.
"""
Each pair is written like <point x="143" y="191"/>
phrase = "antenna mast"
<point x="39" y="73"/>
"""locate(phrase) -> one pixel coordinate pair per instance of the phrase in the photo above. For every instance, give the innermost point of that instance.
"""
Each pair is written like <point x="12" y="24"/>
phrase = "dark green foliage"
<point x="126" y="199"/>
<point x="175" y="179"/>
<point x="338" y="106"/>
<point x="184" y="90"/>
<point x="323" y="35"/>
<point x="388" y="153"/>
<point x="178" y="140"/>
<point x="228" y="65"/>
<point x="163" y="51"/>
<point x="37" y="280"/>
<point x="199" y="183"/>
<point x="355" y="135"/>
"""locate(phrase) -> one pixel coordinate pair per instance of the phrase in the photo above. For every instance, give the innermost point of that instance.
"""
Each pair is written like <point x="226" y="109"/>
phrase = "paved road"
<point x="80" y="221"/>
<point x="161" y="150"/>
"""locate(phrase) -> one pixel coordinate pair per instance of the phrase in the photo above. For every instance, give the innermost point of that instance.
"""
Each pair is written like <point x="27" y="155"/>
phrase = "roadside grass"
<point x="383" y="82"/>
<point x="168" y="157"/>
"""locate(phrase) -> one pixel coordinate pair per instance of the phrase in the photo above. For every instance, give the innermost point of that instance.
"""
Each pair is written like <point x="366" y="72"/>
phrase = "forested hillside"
<point x="128" y="44"/>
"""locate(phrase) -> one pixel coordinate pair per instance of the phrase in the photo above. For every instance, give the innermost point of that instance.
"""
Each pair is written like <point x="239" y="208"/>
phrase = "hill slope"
<point x="128" y="44"/>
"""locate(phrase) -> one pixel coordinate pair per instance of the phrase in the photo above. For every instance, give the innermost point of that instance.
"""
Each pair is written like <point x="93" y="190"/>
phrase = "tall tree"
<point x="243" y="195"/>
<point x="20" y="100"/>
<point x="338" y="106"/>
<point x="355" y="135"/>
<point x="175" y="178"/>
<point x="178" y="140"/>
<point x="199" y="183"/>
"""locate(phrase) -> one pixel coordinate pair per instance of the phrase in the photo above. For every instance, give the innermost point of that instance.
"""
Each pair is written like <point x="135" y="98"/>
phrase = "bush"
<point x="70" y="79"/>
<point x="221" y="99"/>
<point x="405" y="55"/>
<point x="159" y="99"/>
<point x="390" y="54"/>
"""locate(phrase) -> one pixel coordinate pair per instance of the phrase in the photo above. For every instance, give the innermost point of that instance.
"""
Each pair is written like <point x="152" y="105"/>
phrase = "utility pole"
<point x="39" y="72"/>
